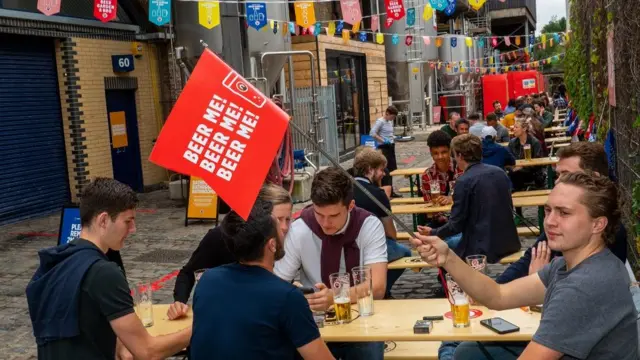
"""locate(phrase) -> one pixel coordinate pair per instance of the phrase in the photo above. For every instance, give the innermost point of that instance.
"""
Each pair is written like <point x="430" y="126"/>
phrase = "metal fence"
<point x="303" y="118"/>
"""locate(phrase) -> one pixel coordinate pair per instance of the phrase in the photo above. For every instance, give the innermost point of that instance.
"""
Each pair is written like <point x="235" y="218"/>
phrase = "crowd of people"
<point x="248" y="304"/>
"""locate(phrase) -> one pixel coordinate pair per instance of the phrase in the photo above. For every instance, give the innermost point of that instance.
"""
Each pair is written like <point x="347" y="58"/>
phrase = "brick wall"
<point x="92" y="59"/>
<point x="375" y="63"/>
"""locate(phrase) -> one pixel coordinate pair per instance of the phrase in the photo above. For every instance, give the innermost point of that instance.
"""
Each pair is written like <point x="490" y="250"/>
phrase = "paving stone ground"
<point x="161" y="245"/>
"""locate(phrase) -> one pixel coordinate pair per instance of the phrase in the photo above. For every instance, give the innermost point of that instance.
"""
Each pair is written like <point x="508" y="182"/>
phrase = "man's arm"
<point x="315" y="350"/>
<point x="459" y="211"/>
<point x="287" y="267"/>
<point x="136" y="338"/>
<point x="535" y="351"/>
<point x="204" y="257"/>
<point x="298" y="325"/>
<point x="375" y="129"/>
<point x="389" y="227"/>
<point x="374" y="245"/>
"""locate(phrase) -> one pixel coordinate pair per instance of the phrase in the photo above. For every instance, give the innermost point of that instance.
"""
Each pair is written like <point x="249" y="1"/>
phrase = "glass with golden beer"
<point x="527" y="151"/>
<point x="341" y="296"/>
<point x="435" y="190"/>
<point x="459" y="304"/>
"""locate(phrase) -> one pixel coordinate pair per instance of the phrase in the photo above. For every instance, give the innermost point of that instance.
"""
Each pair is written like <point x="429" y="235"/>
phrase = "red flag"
<point x="351" y="13"/>
<point x="223" y="130"/>
<point x="105" y="10"/>
<point x="388" y="22"/>
<point x="49" y="7"/>
<point x="395" y="9"/>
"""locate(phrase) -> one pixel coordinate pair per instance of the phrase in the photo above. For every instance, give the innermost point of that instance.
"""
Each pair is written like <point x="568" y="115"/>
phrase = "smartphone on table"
<point x="499" y="325"/>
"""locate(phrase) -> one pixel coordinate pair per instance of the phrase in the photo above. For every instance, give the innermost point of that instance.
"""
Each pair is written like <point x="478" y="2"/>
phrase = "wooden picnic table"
<point x="522" y="163"/>
<point x="556" y="129"/>
<point x="420" y="200"/>
<point x="425" y="208"/>
<point x="415" y="262"/>
<point x="393" y="320"/>
<point x="560" y="139"/>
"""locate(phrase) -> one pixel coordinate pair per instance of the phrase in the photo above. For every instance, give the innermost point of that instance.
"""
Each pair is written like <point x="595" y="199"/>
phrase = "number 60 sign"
<point x="122" y="63"/>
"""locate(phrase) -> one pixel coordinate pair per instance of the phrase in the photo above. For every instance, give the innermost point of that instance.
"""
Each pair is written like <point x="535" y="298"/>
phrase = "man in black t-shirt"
<point x="368" y="170"/>
<point x="79" y="301"/>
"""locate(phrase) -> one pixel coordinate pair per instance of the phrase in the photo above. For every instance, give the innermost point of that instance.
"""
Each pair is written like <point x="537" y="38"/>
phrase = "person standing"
<point x="79" y="302"/>
<point x="382" y="132"/>
<point x="213" y="252"/>
<point x="243" y="310"/>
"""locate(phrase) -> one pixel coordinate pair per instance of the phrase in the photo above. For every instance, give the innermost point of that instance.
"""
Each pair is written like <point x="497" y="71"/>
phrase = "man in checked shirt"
<point x="445" y="172"/>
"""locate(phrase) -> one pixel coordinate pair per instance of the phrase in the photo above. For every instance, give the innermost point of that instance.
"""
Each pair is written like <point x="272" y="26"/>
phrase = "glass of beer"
<point x="364" y="284"/>
<point x="142" y="297"/>
<point x="527" y="151"/>
<point x="478" y="262"/>
<point x="459" y="303"/>
<point x="341" y="296"/>
<point x="435" y="190"/>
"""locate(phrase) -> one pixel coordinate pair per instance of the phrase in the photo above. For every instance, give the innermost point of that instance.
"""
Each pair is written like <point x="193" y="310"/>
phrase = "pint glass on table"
<point x="459" y="303"/>
<point x="434" y="187"/>
<point x="527" y="151"/>
<point x="363" y="283"/>
<point x="341" y="296"/>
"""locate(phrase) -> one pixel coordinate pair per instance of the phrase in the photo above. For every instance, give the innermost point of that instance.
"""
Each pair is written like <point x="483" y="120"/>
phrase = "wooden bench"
<point x="522" y="231"/>
<point x="412" y="350"/>
<point x="420" y="200"/>
<point x="415" y="262"/>
<point x="404" y="190"/>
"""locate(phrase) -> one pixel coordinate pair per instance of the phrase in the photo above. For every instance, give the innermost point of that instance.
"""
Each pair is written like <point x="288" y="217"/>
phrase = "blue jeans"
<point x="489" y="350"/>
<point x="447" y="349"/>
<point x="357" y="350"/>
<point x="395" y="251"/>
<point x="453" y="241"/>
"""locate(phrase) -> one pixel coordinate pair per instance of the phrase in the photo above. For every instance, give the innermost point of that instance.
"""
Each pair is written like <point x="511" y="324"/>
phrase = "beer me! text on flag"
<point x="224" y="131"/>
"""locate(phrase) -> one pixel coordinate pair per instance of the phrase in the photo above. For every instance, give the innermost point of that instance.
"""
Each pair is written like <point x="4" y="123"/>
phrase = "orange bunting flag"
<point x="305" y="14"/>
<point x="438" y="41"/>
<point x="517" y="40"/>
<point x="345" y="36"/>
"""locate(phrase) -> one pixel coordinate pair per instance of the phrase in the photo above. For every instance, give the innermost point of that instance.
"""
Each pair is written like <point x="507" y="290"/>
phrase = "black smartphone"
<point x="307" y="290"/>
<point x="499" y="325"/>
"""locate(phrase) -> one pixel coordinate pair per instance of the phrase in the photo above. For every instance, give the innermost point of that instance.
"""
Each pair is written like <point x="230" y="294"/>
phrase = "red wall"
<point x="522" y="83"/>
<point x="494" y="87"/>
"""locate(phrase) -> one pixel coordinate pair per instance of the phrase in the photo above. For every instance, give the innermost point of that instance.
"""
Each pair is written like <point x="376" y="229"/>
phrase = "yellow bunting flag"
<point x="209" y="14"/>
<point x="380" y="38"/>
<point x="517" y="40"/>
<point x="551" y="42"/>
<point x="468" y="41"/>
<point x="356" y="27"/>
<point x="427" y="14"/>
<point x="543" y="38"/>
<point x="271" y="22"/>
<point x="491" y="60"/>
<point x="438" y="41"/>
<point x="331" y="29"/>
<point x="305" y="14"/>
<point x="345" y="36"/>
<point x="476" y="4"/>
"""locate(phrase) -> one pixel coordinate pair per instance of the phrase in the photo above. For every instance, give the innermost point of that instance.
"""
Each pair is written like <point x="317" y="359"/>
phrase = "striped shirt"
<point x="383" y="128"/>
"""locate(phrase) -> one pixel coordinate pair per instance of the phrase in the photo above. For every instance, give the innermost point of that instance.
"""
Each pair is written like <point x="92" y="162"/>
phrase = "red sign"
<point x="105" y="10"/>
<point x="224" y="131"/>
<point x="395" y="9"/>
<point x="49" y="7"/>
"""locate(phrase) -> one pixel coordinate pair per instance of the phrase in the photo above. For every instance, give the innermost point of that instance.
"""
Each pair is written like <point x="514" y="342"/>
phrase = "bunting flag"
<point x="50" y="7"/>
<point x="476" y="4"/>
<point x="292" y="27"/>
<point x="427" y="13"/>
<point x="340" y="27"/>
<point x="494" y="41"/>
<point x="256" y="14"/>
<point x="318" y="29"/>
<point x="345" y="36"/>
<point x="468" y="41"/>
<point x="438" y="41"/>
<point x="380" y="38"/>
<point x="275" y="28"/>
<point x="305" y="14"/>
<point x="411" y="16"/>
<point x="427" y="40"/>
<point x="105" y="10"/>
<point x="439" y="5"/>
<point x="395" y="9"/>
<point x="517" y="40"/>
<point x="481" y="42"/>
<point x="159" y="11"/>
<point x="454" y="42"/>
<point x="351" y="12"/>
<point x="388" y="22"/>
<point x="543" y="38"/>
<point x="507" y="41"/>
<point x="362" y="36"/>
<point x="375" y="25"/>
<point x="451" y="8"/>
<point x="408" y="40"/>
<point x="355" y="27"/>
<point x="395" y="39"/>
<point x="209" y="14"/>
<point x="331" y="29"/>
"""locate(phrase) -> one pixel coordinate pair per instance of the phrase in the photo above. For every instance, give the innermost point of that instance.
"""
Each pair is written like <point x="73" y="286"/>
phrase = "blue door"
<point x="125" y="142"/>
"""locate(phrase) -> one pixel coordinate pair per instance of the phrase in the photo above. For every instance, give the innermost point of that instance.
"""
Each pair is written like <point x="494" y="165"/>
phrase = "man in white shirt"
<point x="333" y="235"/>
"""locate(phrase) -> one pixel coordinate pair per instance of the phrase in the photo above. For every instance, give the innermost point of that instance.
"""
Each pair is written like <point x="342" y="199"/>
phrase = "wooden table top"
<point x="559" y="139"/>
<point x="163" y="326"/>
<point x="393" y="320"/>
<point x="415" y="262"/>
<point x="420" y="200"/>
<point x="425" y="208"/>
<point x="556" y="129"/>
<point x="532" y="162"/>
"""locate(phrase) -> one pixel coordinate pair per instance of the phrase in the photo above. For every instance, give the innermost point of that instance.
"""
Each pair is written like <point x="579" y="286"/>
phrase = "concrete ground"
<point x="161" y="245"/>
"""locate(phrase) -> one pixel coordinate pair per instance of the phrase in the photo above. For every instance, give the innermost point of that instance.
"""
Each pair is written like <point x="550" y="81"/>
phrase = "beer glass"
<point x="364" y="284"/>
<point x="527" y="151"/>
<point x="459" y="304"/>
<point x="341" y="296"/>
<point x="478" y="262"/>
<point x="435" y="190"/>
<point x="143" y="300"/>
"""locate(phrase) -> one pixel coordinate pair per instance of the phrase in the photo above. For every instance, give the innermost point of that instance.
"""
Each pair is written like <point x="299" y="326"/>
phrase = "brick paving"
<point x="161" y="245"/>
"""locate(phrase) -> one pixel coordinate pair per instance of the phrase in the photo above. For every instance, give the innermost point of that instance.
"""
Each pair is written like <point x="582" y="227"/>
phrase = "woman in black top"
<point x="212" y="251"/>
